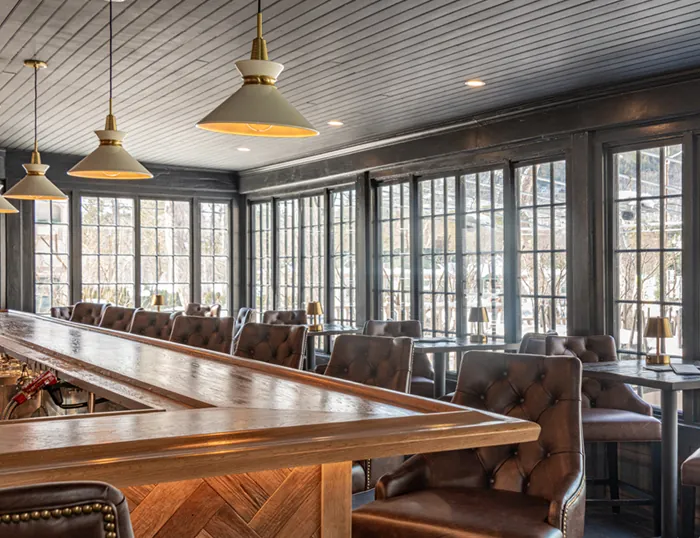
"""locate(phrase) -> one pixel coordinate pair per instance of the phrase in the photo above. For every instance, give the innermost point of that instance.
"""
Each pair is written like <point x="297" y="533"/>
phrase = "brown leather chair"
<point x="117" y="318"/>
<point x="283" y="345"/>
<point x="88" y="313"/>
<point x="534" y="489"/>
<point x="203" y="310"/>
<point x="380" y="362"/>
<point x="690" y="478"/>
<point x="64" y="510"/>
<point x="285" y="317"/>
<point x="612" y="413"/>
<point x="423" y="376"/>
<point x="245" y="315"/>
<point x="214" y="334"/>
<point x="62" y="312"/>
<point x="533" y="344"/>
<point x="153" y="324"/>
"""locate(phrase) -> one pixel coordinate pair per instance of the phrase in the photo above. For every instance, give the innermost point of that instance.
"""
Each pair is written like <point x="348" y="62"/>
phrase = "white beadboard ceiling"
<point x="381" y="66"/>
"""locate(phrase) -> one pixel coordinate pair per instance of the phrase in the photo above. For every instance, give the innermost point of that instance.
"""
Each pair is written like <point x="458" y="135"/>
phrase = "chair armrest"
<point x="411" y="476"/>
<point x="614" y="395"/>
<point x="567" y="509"/>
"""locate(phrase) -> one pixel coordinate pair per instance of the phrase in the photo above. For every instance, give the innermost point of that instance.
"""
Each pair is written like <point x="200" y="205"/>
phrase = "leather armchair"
<point x="690" y="478"/>
<point x="88" y="313"/>
<point x="380" y="362"/>
<point x="117" y="318"/>
<point x="214" y="334"/>
<point x="62" y="312"/>
<point x="534" y="344"/>
<point x="534" y="489"/>
<point x="285" y="317"/>
<point x="283" y="345"/>
<point x="64" y="510"/>
<point x="423" y="375"/>
<point x="203" y="310"/>
<point x="153" y="324"/>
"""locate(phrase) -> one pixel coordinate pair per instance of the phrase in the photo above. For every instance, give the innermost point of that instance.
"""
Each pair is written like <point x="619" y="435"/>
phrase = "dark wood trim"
<point x="511" y="260"/>
<point x="365" y="246"/>
<point x="328" y="302"/>
<point x="196" y="250"/>
<point x="416" y="247"/>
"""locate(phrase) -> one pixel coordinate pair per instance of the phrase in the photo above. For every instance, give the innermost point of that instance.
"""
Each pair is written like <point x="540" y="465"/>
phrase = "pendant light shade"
<point x="258" y="108"/>
<point x="35" y="185"/>
<point x="110" y="160"/>
<point x="6" y="207"/>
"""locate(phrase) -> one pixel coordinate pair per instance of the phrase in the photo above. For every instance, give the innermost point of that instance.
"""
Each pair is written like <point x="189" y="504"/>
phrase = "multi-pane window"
<point x="647" y="231"/>
<point x="438" y="257"/>
<point x="288" y="254"/>
<point x="395" y="251"/>
<point x="108" y="250"/>
<point x="541" y="202"/>
<point x="343" y="272"/>
<point x="482" y="199"/>
<point x="51" y="255"/>
<point x="215" y="262"/>
<point x="313" y="250"/>
<point x="165" y="253"/>
<point x="261" y="263"/>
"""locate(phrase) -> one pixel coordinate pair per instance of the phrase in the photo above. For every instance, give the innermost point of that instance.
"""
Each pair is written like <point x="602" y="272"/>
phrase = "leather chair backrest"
<point x="214" y="334"/>
<point x="285" y="317"/>
<point x="203" y="310"/>
<point x="88" y="313"/>
<point x="117" y="318"/>
<point x="153" y="324"/>
<point x="422" y="367"/>
<point x="546" y="390"/>
<point x="372" y="360"/>
<point x="63" y="498"/>
<point x="597" y="348"/>
<point x="533" y="344"/>
<point x="244" y="316"/>
<point x="283" y="345"/>
<point x="62" y="312"/>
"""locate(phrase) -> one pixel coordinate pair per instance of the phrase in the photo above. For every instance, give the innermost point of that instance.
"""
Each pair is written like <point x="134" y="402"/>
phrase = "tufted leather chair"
<point x="64" y="510"/>
<point x="88" y="313"/>
<point x="62" y="312"/>
<point x="533" y="344"/>
<point x="528" y="490"/>
<point x="612" y="412"/>
<point x="117" y="318"/>
<point x="423" y="376"/>
<point x="203" y="310"/>
<point x="285" y="317"/>
<point x="380" y="362"/>
<point x="244" y="316"/>
<point x="690" y="478"/>
<point x="153" y="324"/>
<point x="214" y="334"/>
<point x="283" y="345"/>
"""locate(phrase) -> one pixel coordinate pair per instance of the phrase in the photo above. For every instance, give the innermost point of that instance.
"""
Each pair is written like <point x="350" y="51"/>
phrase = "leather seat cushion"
<point x="616" y="425"/>
<point x="422" y="386"/>
<point x="690" y="470"/>
<point x="455" y="513"/>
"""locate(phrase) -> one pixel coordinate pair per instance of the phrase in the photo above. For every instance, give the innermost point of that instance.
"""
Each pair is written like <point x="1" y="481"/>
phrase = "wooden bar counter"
<point x="217" y="446"/>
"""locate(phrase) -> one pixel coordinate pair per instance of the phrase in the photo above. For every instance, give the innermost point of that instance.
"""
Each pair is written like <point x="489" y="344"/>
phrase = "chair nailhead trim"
<point x="107" y="515"/>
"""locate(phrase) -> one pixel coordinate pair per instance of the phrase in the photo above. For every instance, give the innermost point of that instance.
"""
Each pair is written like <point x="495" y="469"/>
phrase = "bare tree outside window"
<point x="51" y="255"/>
<point x="261" y="234"/>
<point x="215" y="259"/>
<point x="313" y="249"/>
<point x="288" y="254"/>
<point x="343" y="236"/>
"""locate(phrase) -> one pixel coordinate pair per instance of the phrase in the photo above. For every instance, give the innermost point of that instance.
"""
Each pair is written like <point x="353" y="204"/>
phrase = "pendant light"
<point x="6" y="207"/>
<point x="35" y="185"/>
<point x="110" y="160"/>
<point x="258" y="108"/>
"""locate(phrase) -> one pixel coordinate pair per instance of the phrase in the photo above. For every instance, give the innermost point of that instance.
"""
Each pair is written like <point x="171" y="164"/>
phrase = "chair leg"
<point x="613" y="476"/>
<point x="656" y="485"/>
<point x="688" y="512"/>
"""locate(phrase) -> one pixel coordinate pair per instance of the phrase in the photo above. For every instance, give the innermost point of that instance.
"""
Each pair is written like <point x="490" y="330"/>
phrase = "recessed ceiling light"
<point x="243" y="149"/>
<point x="335" y="123"/>
<point x="475" y="83"/>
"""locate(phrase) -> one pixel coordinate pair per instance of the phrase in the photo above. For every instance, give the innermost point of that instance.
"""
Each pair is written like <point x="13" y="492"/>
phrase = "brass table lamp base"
<point x="316" y="328"/>
<point x="477" y="338"/>
<point x="658" y="360"/>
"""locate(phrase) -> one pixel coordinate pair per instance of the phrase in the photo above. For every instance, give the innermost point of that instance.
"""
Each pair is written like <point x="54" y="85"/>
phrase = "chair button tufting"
<point x="482" y="397"/>
<point x="542" y="377"/>
<point x="522" y="400"/>
<point x="505" y="374"/>
<point x="492" y="480"/>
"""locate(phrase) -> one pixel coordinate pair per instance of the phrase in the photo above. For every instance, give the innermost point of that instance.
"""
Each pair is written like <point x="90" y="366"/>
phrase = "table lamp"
<point x="478" y="315"/>
<point x="314" y="309"/>
<point x="658" y="328"/>
<point x="157" y="301"/>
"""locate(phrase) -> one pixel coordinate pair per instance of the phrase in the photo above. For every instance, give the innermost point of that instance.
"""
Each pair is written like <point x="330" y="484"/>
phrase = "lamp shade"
<point x="658" y="328"/>
<point x="478" y="315"/>
<point x="6" y="207"/>
<point x="35" y="185"/>
<point x="110" y="160"/>
<point x="258" y="108"/>
<point x="157" y="300"/>
<point x="314" y="309"/>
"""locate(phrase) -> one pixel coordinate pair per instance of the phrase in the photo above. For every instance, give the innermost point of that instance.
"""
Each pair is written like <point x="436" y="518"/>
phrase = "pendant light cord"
<point x="36" y="100"/>
<point x="110" y="56"/>
<point x="259" y="6"/>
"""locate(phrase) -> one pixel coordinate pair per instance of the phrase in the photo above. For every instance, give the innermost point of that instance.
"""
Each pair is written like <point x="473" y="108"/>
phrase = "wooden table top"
<point x="462" y="343"/>
<point x="329" y="329"/>
<point x="635" y="373"/>
<point x="223" y="414"/>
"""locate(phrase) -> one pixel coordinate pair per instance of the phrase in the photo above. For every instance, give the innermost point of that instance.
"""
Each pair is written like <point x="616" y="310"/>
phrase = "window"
<point x="542" y="251"/>
<point x="438" y="256"/>
<point x="313" y="249"/>
<point x="288" y="254"/>
<point x="647" y="231"/>
<point x="215" y="262"/>
<point x="343" y="292"/>
<point x="261" y="263"/>
<point x="51" y="255"/>
<point x="108" y="250"/>
<point x="482" y="199"/>
<point x="395" y="243"/>
<point x="165" y="253"/>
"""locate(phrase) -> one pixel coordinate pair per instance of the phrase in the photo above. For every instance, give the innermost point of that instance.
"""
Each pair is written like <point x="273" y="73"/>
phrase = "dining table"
<point x="326" y="329"/>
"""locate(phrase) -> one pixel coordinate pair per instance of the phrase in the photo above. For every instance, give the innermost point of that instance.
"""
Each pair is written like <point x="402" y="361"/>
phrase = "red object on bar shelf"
<point x="34" y="386"/>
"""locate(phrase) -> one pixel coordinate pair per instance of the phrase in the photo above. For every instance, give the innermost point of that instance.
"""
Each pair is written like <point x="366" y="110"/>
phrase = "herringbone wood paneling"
<point x="280" y="503"/>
